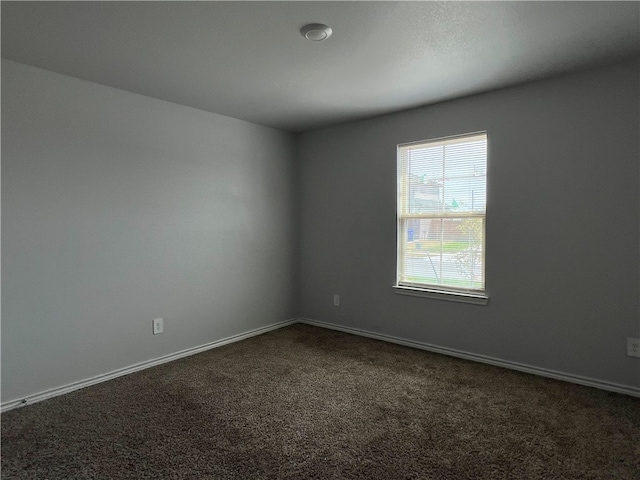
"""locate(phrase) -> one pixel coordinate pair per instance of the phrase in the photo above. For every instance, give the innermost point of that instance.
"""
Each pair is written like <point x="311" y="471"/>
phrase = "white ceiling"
<point x="248" y="60"/>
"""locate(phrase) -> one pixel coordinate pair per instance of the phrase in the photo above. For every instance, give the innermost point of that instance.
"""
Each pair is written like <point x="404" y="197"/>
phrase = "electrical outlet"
<point x="633" y="347"/>
<point x="158" y="326"/>
<point x="336" y="300"/>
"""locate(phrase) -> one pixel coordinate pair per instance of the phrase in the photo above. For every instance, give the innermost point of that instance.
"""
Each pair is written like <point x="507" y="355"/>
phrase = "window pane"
<point x="443" y="252"/>
<point x="446" y="177"/>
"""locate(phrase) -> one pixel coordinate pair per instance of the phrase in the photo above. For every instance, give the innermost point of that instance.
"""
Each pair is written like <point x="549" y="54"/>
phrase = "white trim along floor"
<point x="590" y="382"/>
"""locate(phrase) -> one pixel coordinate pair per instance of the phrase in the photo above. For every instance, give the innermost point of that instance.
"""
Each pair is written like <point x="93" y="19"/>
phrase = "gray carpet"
<point x="304" y="402"/>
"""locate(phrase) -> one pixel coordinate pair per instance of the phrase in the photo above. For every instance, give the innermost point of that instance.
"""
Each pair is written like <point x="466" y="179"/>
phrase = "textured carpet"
<point x="304" y="402"/>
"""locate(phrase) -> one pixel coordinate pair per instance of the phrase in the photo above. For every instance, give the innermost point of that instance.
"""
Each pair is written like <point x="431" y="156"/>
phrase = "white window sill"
<point x="451" y="296"/>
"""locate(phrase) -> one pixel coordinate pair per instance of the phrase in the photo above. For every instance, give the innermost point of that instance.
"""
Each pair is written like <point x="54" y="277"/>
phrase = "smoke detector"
<point x="316" y="32"/>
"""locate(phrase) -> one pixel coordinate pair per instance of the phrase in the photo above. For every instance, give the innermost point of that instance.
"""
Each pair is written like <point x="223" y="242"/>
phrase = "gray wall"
<point x="118" y="208"/>
<point x="562" y="226"/>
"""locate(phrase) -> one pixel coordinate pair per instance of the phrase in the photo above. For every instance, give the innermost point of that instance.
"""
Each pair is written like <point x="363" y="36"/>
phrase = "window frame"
<point x="440" y="292"/>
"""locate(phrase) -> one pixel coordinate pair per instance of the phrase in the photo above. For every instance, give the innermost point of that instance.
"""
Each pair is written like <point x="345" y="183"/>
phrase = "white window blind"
<point x="442" y="198"/>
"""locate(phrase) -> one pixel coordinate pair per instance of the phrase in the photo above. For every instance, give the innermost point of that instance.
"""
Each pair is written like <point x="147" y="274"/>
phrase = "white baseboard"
<point x="543" y="372"/>
<point x="54" y="392"/>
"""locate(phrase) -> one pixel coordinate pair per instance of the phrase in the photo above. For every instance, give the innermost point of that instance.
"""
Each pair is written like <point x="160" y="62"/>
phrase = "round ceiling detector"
<point x="316" y="32"/>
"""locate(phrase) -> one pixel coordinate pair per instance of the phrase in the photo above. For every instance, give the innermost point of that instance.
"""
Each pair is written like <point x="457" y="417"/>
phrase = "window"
<point x="442" y="197"/>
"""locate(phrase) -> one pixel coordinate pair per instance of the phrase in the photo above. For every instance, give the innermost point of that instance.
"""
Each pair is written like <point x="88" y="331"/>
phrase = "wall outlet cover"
<point x="633" y="347"/>
<point x="158" y="326"/>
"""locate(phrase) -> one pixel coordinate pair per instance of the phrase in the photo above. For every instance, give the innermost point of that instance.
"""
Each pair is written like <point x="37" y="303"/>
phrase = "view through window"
<point x="442" y="197"/>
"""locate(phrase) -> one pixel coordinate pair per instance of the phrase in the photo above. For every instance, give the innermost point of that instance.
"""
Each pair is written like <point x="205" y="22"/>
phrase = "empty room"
<point x="283" y="240"/>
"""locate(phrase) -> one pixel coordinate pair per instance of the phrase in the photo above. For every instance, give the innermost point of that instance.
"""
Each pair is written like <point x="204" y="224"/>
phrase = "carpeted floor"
<point x="304" y="402"/>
